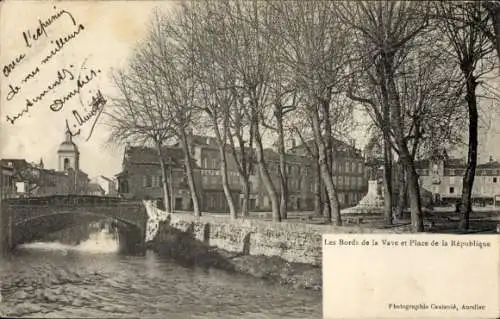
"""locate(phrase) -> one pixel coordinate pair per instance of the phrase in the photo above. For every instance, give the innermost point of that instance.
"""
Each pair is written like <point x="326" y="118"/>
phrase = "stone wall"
<point x="294" y="242"/>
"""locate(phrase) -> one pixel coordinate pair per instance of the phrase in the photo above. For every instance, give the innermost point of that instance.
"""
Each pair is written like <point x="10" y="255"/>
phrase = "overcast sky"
<point x="110" y="30"/>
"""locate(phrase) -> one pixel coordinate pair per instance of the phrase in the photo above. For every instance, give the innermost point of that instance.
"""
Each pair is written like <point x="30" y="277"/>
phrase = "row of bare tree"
<point x="257" y="70"/>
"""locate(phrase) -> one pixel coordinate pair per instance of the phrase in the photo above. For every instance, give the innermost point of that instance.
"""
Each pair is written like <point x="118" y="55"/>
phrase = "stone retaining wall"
<point x="294" y="242"/>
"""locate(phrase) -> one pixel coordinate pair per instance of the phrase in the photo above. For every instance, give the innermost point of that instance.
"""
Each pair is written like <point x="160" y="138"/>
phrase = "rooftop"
<point x="339" y="147"/>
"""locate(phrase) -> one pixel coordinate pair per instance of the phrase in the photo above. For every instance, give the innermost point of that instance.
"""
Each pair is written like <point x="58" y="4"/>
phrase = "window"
<point x="147" y="181"/>
<point x="66" y="163"/>
<point x="452" y="190"/>
<point x="494" y="179"/>
<point x="156" y="181"/>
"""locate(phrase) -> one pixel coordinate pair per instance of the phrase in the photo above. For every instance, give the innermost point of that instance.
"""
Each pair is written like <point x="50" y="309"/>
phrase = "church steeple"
<point x="41" y="163"/>
<point x="68" y="154"/>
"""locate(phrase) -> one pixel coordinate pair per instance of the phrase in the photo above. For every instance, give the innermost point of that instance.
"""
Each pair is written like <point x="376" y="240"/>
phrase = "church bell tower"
<point x="68" y="156"/>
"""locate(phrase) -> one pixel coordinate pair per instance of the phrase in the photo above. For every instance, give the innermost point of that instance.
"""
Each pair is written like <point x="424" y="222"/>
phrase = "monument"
<point x="373" y="201"/>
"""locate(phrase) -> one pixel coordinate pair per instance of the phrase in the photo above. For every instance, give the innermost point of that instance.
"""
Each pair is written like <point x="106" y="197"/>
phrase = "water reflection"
<point x="92" y="280"/>
<point x="99" y="242"/>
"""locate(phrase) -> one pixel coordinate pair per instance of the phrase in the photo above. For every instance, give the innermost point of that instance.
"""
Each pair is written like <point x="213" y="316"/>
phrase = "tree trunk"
<point x="245" y="191"/>
<point x="318" y="207"/>
<point x="284" y="183"/>
<point x="326" y="174"/>
<point x="225" y="183"/>
<point x="266" y="178"/>
<point x="223" y="170"/>
<point x="397" y="125"/>
<point x="190" y="176"/>
<point x="326" y="209"/>
<point x="387" y="182"/>
<point x="401" y="190"/>
<point x="166" y="191"/>
<point x="417" y="218"/>
<point x="468" y="180"/>
<point x="333" y="207"/>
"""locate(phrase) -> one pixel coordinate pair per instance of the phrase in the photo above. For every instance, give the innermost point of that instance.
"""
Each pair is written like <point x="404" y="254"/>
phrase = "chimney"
<point x="491" y="158"/>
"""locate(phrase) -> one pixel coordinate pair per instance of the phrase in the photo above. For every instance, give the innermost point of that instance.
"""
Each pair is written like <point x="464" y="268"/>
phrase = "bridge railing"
<point x="71" y="200"/>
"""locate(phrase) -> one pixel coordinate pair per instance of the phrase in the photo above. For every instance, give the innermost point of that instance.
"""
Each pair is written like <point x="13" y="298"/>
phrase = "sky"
<point x="104" y="35"/>
<point x="110" y="31"/>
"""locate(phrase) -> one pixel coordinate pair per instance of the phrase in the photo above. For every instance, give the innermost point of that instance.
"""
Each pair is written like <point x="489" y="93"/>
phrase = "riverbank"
<point x="285" y="253"/>
<point x="186" y="250"/>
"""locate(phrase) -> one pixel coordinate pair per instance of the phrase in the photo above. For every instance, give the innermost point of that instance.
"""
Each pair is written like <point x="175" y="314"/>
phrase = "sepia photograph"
<point x="185" y="159"/>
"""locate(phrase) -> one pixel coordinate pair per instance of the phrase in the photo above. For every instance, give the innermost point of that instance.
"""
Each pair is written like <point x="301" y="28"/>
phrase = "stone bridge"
<point x="29" y="219"/>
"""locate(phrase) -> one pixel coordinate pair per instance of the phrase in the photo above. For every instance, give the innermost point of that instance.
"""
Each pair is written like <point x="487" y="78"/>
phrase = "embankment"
<point x="287" y="252"/>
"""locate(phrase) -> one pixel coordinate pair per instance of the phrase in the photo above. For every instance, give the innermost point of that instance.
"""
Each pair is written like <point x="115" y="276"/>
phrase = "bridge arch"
<point x="30" y="220"/>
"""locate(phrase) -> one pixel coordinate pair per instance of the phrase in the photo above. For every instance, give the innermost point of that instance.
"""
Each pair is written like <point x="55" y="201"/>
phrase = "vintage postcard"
<point x="249" y="159"/>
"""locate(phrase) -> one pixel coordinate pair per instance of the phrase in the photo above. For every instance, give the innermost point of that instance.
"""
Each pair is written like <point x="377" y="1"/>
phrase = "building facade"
<point x="349" y="172"/>
<point x="33" y="179"/>
<point x="443" y="177"/>
<point x="141" y="176"/>
<point x="7" y="181"/>
<point x="107" y="184"/>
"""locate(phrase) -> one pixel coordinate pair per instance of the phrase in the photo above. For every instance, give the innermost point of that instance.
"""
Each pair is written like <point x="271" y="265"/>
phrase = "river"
<point x="54" y="280"/>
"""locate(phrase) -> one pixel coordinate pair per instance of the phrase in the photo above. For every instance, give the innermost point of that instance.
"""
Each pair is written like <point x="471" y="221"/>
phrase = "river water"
<point x="53" y="280"/>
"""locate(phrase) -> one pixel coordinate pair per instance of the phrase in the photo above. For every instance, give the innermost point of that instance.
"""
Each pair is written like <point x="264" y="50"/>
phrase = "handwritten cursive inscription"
<point x="7" y="69"/>
<point x="58" y="104"/>
<point x="97" y="106"/>
<point x="44" y="42"/>
<point x="61" y="42"/>
<point x="62" y="75"/>
<point x="43" y="25"/>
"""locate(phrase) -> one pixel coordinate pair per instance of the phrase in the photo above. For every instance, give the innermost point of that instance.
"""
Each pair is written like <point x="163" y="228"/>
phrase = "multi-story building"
<point x="349" y="172"/>
<point x="141" y="176"/>
<point x="443" y="176"/>
<point x="31" y="179"/>
<point x="7" y="182"/>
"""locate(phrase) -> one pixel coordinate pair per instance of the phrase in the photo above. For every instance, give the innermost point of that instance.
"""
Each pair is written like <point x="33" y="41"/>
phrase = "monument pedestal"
<point x="372" y="201"/>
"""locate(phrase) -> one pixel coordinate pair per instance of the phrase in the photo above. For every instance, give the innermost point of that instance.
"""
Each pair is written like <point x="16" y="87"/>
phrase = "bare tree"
<point x="384" y="30"/>
<point x="136" y="115"/>
<point x="171" y="65"/>
<point x="205" y="30"/>
<point x="249" y="55"/>
<point x="300" y="126"/>
<point x="313" y="49"/>
<point x="471" y="49"/>
<point x="493" y="9"/>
